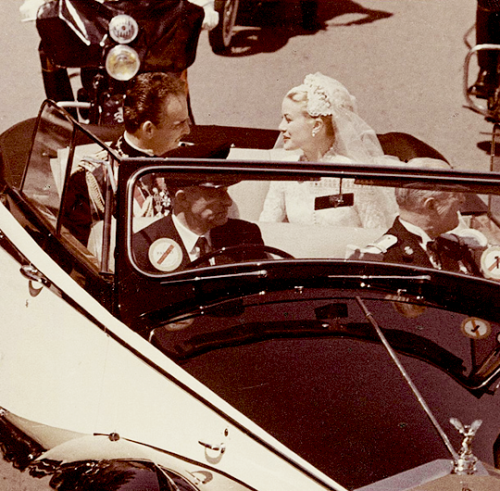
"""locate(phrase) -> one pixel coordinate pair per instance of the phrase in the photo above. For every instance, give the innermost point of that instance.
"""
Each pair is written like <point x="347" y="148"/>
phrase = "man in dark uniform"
<point x="198" y="225"/>
<point x="156" y="119"/>
<point x="420" y="234"/>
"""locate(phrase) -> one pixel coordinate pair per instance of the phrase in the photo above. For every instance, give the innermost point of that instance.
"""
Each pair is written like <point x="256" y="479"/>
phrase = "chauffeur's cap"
<point x="206" y="182"/>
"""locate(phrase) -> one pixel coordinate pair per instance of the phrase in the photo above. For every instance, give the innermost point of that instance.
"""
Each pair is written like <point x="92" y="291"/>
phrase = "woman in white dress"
<point x="320" y="120"/>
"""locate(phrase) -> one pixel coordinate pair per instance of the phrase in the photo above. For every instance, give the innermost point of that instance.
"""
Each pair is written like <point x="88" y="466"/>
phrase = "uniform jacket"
<point x="79" y="213"/>
<point x="399" y="245"/>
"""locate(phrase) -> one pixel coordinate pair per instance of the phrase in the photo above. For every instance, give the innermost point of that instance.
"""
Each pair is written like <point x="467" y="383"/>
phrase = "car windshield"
<point x="260" y="207"/>
<point x="318" y="216"/>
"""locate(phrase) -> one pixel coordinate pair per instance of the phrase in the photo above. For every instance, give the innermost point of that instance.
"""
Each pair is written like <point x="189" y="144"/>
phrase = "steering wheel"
<point x="228" y="251"/>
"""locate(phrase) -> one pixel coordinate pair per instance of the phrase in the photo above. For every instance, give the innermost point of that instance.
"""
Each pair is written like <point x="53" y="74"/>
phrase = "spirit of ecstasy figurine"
<point x="466" y="462"/>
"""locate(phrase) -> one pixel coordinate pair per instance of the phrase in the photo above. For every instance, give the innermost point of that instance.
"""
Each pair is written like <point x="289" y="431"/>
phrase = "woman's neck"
<point x="319" y="147"/>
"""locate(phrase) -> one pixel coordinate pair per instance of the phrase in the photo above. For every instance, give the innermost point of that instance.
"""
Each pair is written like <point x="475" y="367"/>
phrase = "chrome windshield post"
<point x="413" y="387"/>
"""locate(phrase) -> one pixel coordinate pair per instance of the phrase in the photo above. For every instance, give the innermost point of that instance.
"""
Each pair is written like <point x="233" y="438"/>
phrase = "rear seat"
<point x="301" y="241"/>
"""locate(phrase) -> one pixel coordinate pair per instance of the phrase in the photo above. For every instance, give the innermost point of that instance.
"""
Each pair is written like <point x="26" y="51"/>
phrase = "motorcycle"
<point x="220" y="37"/>
<point x="111" y="42"/>
<point x="485" y="101"/>
<point x="490" y="110"/>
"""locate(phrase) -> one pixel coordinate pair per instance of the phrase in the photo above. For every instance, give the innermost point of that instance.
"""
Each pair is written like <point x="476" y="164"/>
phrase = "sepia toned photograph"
<point x="250" y="245"/>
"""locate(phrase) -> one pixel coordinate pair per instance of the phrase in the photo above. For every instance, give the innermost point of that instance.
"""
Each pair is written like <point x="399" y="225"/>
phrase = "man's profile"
<point x="156" y="119"/>
<point x="425" y="233"/>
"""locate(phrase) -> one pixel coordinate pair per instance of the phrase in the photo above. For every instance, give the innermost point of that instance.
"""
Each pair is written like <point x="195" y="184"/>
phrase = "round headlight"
<point x="123" y="29"/>
<point x="122" y="62"/>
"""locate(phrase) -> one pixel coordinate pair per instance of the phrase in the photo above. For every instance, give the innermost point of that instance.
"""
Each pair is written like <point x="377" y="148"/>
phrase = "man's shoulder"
<point x="161" y="226"/>
<point x="398" y="239"/>
<point x="376" y="250"/>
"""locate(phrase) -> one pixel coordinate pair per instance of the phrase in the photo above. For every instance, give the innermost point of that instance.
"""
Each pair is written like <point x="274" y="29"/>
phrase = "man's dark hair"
<point x="145" y="98"/>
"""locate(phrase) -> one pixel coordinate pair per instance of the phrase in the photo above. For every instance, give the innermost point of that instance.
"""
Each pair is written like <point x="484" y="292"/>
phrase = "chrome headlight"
<point x="122" y="62"/>
<point x="123" y="29"/>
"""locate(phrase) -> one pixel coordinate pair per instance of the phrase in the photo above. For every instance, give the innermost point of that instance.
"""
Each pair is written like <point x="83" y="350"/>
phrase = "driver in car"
<point x="198" y="225"/>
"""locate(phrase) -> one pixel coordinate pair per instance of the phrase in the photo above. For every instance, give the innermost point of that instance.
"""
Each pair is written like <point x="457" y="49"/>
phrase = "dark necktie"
<point x="203" y="246"/>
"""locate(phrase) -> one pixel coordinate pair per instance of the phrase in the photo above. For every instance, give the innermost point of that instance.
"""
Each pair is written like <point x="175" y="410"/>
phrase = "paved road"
<point x="401" y="58"/>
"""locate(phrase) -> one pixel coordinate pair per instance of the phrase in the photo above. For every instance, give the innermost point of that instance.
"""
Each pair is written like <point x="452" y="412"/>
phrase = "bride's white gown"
<point x="294" y="202"/>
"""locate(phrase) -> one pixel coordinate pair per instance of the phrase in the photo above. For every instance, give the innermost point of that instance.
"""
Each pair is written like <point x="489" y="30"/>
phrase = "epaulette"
<point x="380" y="246"/>
<point x="375" y="250"/>
<point x="91" y="162"/>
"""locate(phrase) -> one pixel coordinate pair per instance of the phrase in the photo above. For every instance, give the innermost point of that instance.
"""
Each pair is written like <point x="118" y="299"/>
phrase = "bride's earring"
<point x="315" y="132"/>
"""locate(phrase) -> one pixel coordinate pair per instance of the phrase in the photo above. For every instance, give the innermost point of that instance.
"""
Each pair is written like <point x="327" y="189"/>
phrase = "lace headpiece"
<point x="325" y="95"/>
<point x="354" y="138"/>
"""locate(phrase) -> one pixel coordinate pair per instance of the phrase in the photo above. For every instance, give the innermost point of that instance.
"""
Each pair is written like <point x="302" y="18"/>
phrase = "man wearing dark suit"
<point x="449" y="252"/>
<point x="420" y="235"/>
<point x="198" y="225"/>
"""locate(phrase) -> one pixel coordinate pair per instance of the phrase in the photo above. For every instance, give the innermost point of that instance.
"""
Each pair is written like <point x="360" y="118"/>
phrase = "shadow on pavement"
<point x="264" y="27"/>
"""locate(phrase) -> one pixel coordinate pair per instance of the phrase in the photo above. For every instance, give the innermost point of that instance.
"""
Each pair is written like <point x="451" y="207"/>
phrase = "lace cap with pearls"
<point x="325" y="95"/>
<point x="354" y="138"/>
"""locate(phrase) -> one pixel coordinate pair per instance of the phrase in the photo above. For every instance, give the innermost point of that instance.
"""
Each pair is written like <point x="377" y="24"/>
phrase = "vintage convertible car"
<point x="277" y="367"/>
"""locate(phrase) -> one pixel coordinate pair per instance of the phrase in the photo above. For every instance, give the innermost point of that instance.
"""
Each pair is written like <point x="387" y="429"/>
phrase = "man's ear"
<point x="180" y="197"/>
<point x="147" y="128"/>
<point x="431" y="204"/>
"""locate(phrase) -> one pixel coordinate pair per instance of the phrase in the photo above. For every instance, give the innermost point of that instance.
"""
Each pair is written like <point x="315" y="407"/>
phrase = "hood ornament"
<point x="466" y="462"/>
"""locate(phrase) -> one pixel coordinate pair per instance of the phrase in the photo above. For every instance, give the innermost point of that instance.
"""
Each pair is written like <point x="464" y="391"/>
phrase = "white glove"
<point x="29" y="9"/>
<point x="472" y="238"/>
<point x="211" y="18"/>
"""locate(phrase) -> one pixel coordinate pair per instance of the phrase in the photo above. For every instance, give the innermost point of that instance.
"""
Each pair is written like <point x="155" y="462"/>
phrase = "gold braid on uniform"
<point x="95" y="194"/>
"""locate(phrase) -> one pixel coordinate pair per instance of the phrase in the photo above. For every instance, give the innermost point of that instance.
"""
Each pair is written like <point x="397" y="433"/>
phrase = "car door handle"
<point x="217" y="448"/>
<point x="31" y="273"/>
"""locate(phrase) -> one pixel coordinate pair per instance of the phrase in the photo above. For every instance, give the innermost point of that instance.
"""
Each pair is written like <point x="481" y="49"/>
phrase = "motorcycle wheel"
<point x="220" y="36"/>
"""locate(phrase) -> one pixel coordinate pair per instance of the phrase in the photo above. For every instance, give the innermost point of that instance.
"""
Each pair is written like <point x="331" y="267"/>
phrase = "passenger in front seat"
<point x="427" y="232"/>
